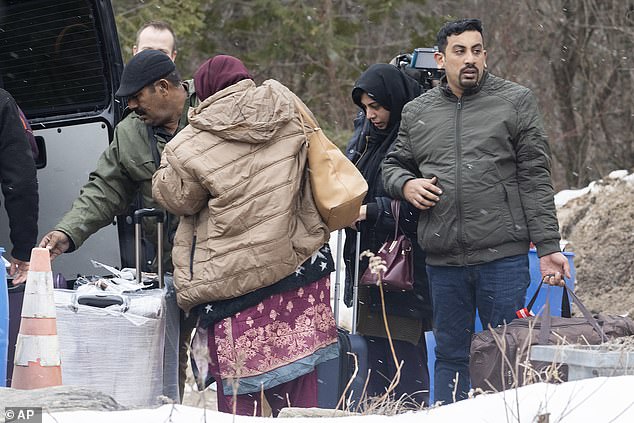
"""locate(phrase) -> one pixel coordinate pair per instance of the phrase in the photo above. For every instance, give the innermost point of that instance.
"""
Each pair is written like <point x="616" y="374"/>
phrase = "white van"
<point x="62" y="63"/>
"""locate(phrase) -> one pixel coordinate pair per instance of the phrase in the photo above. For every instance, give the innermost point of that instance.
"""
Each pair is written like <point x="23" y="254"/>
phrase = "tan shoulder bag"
<point x="337" y="185"/>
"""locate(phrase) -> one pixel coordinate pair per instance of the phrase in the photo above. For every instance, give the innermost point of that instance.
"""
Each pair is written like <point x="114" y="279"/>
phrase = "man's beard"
<point x="471" y="82"/>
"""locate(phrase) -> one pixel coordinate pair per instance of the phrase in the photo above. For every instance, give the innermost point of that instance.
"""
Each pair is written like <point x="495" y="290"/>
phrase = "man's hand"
<point x="422" y="193"/>
<point x="553" y="268"/>
<point x="19" y="270"/>
<point x="57" y="243"/>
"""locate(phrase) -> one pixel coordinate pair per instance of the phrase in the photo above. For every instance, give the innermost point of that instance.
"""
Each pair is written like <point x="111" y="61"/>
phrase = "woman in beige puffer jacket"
<point x="249" y="240"/>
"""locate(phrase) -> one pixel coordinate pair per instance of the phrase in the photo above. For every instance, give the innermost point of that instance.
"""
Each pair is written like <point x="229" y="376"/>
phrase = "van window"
<point x="50" y="59"/>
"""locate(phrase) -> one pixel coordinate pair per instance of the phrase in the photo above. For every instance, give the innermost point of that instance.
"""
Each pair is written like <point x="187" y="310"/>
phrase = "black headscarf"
<point x="389" y="86"/>
<point x="392" y="89"/>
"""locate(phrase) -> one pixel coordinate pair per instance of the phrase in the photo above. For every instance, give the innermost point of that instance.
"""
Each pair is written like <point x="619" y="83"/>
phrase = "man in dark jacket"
<point x="19" y="186"/>
<point x="473" y="156"/>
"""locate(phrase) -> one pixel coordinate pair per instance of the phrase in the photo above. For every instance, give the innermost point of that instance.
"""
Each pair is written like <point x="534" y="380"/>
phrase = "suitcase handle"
<point x="138" y="219"/>
<point x="153" y="212"/>
<point x="101" y="300"/>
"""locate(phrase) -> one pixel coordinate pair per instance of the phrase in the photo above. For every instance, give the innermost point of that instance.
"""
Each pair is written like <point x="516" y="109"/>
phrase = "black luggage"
<point x="338" y="384"/>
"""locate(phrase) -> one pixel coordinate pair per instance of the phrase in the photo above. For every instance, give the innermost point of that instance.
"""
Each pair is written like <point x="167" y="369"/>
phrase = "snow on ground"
<point x="562" y="197"/>
<point x="596" y="400"/>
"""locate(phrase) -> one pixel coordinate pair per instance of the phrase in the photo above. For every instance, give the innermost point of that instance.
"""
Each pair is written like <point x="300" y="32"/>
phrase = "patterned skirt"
<point x="282" y="338"/>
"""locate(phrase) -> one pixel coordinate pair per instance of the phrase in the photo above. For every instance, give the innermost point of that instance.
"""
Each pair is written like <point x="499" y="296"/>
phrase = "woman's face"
<point x="374" y="112"/>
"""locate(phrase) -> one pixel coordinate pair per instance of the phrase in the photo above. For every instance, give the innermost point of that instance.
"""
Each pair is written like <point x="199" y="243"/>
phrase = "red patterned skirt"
<point x="280" y="339"/>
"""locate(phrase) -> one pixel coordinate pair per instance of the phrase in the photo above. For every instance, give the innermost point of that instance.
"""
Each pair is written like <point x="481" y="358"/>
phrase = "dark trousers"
<point x="496" y="289"/>
<point x="413" y="385"/>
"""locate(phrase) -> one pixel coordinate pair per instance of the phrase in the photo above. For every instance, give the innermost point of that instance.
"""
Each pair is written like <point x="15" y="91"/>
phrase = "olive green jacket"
<point x="490" y="154"/>
<point x="124" y="168"/>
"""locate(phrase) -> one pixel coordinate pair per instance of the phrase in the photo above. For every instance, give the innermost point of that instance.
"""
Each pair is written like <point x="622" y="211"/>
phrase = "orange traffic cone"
<point x="37" y="361"/>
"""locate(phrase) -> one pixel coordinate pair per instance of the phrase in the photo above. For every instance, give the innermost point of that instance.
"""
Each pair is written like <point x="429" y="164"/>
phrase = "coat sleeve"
<point x="18" y="179"/>
<point x="534" y="178"/>
<point x="175" y="187"/>
<point x="400" y="165"/>
<point x="109" y="191"/>
<point x="383" y="219"/>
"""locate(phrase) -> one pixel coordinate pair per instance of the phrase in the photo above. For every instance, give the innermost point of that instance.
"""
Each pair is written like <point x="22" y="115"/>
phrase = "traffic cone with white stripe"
<point x="37" y="362"/>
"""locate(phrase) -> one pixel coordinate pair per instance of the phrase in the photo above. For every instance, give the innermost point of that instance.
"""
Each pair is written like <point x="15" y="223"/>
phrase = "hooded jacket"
<point x="490" y="154"/>
<point x="237" y="175"/>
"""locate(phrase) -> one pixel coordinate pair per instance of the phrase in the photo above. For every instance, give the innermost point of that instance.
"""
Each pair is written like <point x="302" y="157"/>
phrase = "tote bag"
<point x="337" y="185"/>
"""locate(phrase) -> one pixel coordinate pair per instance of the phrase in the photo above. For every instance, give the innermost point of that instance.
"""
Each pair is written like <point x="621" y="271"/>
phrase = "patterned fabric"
<point x="282" y="338"/>
<point x="321" y="264"/>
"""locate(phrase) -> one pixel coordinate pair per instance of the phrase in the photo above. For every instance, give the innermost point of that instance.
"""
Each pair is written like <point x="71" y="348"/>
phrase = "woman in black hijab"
<point x="381" y="92"/>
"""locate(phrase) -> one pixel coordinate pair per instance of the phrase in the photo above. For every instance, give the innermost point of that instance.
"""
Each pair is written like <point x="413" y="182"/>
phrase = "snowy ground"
<point x="597" y="400"/>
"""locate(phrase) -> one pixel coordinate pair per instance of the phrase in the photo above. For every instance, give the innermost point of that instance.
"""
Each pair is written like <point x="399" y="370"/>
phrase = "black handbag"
<point x="398" y="255"/>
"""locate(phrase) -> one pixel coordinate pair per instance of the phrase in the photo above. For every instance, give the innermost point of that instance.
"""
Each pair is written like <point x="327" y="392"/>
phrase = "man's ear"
<point x="440" y="59"/>
<point x="135" y="49"/>
<point x="163" y="86"/>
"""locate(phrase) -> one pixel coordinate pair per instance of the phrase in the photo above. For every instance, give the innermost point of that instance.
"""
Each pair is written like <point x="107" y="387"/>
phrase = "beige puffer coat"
<point x="237" y="175"/>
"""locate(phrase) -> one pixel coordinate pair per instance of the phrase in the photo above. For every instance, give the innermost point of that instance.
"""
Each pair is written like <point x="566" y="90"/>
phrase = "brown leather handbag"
<point x="337" y="185"/>
<point x="398" y="255"/>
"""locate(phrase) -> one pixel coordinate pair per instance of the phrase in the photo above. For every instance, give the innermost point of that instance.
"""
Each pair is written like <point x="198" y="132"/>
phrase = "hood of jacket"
<point x="236" y="114"/>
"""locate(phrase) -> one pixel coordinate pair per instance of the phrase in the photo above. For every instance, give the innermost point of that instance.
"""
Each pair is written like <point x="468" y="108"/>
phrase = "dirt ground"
<point x="600" y="228"/>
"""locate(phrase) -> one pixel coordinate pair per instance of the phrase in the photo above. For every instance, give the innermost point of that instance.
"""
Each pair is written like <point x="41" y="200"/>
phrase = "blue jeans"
<point x="497" y="289"/>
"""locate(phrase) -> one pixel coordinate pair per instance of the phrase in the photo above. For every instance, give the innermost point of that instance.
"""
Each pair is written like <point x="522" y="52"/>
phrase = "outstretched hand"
<point x="57" y="243"/>
<point x="422" y="193"/>
<point x="553" y="268"/>
<point x="18" y="270"/>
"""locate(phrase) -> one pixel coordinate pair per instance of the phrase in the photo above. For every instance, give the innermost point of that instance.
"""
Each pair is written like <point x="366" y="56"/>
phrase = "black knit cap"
<point x="143" y="69"/>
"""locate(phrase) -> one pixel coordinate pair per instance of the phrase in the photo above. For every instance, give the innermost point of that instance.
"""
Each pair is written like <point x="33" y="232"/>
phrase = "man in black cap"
<point x="158" y="101"/>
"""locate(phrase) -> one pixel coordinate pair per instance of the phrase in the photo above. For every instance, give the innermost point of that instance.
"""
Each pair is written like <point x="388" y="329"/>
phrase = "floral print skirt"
<point x="280" y="339"/>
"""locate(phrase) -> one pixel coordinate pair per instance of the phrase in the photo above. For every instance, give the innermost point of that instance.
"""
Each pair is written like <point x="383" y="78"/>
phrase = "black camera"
<point x="421" y="66"/>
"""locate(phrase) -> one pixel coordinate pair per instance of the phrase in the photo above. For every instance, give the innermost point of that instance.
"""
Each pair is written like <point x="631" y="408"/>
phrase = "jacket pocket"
<point x="514" y="213"/>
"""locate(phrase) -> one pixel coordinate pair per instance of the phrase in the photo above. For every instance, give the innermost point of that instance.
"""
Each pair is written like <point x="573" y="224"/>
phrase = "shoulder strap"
<point x="396" y="211"/>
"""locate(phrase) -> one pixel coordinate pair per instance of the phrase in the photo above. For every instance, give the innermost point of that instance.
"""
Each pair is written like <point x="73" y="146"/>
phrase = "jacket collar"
<point x="446" y="90"/>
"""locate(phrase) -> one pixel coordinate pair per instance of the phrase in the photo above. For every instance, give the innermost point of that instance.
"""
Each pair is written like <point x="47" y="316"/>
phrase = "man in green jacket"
<point x="473" y="156"/>
<point x="159" y="102"/>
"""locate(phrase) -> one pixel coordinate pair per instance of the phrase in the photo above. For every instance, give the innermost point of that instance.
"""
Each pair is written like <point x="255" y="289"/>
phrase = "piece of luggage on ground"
<point x="336" y="385"/>
<point x="499" y="356"/>
<point x="124" y="344"/>
<point x="15" y="296"/>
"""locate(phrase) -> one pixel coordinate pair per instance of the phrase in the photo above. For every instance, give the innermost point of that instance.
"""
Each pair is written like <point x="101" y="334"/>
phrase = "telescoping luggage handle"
<point x="355" y="288"/>
<point x="138" y="219"/>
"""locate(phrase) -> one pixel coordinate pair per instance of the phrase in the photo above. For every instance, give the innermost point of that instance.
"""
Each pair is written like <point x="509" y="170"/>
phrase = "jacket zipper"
<point x="193" y="249"/>
<point x="460" y="233"/>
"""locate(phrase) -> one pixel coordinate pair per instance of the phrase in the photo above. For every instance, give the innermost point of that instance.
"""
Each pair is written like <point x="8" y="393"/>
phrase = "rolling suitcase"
<point x="337" y="388"/>
<point x="120" y="343"/>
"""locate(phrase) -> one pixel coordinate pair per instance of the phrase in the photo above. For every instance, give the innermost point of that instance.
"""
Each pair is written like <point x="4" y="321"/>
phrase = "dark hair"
<point x="456" y="28"/>
<point x="159" y="26"/>
<point x="173" y="78"/>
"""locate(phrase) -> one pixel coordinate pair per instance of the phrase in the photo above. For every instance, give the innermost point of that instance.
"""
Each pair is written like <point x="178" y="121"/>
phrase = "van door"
<point x="62" y="63"/>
